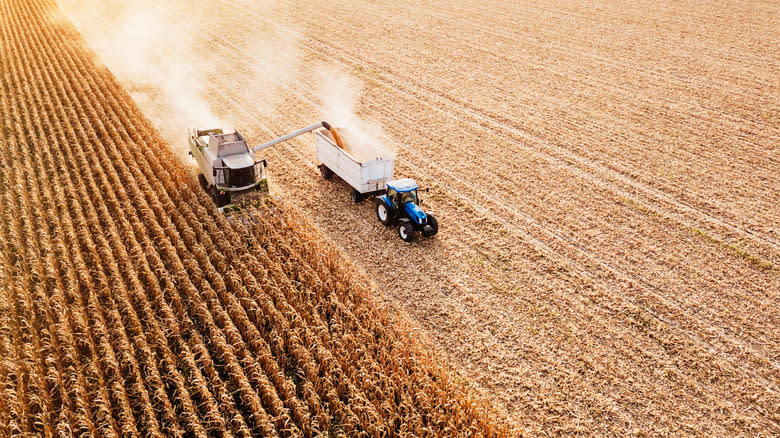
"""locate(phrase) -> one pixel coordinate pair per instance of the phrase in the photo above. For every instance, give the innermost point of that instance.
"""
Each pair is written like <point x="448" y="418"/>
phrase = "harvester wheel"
<point x="382" y="214"/>
<point x="406" y="232"/>
<point x="220" y="199"/>
<point x="434" y="224"/>
<point x="325" y="172"/>
<point x="355" y="196"/>
<point x="202" y="181"/>
<point x="224" y="199"/>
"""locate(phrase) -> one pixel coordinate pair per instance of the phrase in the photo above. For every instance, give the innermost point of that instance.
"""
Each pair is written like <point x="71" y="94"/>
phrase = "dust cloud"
<point x="180" y="70"/>
<point x="153" y="56"/>
<point x="339" y="93"/>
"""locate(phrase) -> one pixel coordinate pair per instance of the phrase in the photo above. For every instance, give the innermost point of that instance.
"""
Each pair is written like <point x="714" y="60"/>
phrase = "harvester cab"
<point x="228" y="168"/>
<point x="400" y="205"/>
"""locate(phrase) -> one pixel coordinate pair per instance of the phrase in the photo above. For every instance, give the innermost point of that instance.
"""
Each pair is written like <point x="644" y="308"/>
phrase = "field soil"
<point x="606" y="179"/>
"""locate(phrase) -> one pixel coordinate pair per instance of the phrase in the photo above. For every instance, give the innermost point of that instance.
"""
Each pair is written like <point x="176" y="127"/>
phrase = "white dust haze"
<point x="179" y="74"/>
<point x="152" y="56"/>
<point x="339" y="93"/>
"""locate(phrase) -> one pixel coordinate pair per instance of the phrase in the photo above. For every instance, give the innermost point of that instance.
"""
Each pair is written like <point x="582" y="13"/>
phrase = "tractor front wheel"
<point x="406" y="232"/>
<point x="382" y="214"/>
<point x="434" y="225"/>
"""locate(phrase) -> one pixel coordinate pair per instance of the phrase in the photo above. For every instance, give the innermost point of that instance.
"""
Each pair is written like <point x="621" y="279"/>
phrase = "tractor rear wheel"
<point x="355" y="196"/>
<point x="202" y="181"/>
<point x="382" y="214"/>
<point x="325" y="172"/>
<point x="406" y="232"/>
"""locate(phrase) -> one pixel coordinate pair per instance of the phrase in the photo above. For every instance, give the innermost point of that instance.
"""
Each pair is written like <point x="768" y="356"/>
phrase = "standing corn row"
<point x="131" y="308"/>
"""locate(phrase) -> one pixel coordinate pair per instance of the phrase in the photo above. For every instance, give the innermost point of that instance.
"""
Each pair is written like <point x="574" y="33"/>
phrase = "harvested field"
<point x="607" y="180"/>
<point x="130" y="307"/>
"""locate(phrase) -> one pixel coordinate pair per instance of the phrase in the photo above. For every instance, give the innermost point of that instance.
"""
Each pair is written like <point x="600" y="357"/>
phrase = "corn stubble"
<point x="129" y="307"/>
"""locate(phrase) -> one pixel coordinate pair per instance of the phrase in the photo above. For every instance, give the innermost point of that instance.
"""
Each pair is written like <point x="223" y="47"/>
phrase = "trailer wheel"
<point x="325" y="172"/>
<point x="382" y="214"/>
<point x="355" y="196"/>
<point x="406" y="232"/>
<point x="434" y="224"/>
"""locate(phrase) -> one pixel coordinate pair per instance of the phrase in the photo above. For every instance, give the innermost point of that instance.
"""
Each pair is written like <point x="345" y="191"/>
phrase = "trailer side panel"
<point x="365" y="177"/>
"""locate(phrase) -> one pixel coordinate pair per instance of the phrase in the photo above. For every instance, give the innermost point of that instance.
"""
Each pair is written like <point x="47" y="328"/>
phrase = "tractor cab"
<point x="400" y="192"/>
<point x="400" y="204"/>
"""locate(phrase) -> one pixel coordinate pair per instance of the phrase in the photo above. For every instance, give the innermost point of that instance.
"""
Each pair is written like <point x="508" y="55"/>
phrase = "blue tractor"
<point x="400" y="205"/>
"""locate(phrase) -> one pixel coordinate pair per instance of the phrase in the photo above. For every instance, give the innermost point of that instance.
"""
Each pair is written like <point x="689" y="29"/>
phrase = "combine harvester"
<point x="228" y="170"/>
<point x="231" y="175"/>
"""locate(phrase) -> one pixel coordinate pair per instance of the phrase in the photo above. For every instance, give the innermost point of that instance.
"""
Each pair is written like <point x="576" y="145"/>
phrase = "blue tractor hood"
<point x="415" y="213"/>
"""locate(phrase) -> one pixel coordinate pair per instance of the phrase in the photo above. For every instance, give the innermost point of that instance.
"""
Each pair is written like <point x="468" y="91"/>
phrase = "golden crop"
<point x="129" y="307"/>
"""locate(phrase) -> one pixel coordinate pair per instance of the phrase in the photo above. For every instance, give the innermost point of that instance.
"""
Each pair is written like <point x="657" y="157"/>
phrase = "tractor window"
<point x="409" y="197"/>
<point x="392" y="195"/>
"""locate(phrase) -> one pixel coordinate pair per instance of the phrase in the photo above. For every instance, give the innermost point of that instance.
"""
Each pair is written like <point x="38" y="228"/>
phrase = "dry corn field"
<point x="606" y="177"/>
<point x="130" y="307"/>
